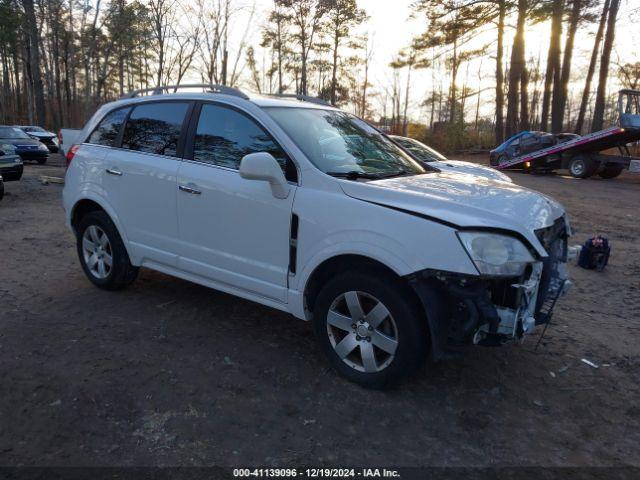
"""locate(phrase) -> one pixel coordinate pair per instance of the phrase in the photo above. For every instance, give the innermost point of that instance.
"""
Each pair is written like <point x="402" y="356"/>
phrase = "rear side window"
<point x="225" y="135"/>
<point x="155" y="128"/>
<point x="106" y="133"/>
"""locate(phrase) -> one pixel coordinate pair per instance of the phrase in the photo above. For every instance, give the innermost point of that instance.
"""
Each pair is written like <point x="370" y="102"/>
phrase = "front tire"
<point x="41" y="161"/>
<point x="102" y="253"/>
<point x="371" y="328"/>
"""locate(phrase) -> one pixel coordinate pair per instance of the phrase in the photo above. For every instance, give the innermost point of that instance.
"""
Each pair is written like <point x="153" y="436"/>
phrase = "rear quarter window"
<point x="107" y="131"/>
<point x="155" y="128"/>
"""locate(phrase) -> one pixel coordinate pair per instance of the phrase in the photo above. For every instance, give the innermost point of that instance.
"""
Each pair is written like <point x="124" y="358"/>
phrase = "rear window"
<point x="106" y="133"/>
<point x="155" y="128"/>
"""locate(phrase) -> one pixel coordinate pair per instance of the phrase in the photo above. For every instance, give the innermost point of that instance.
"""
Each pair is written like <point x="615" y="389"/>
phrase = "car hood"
<point x="42" y="134"/>
<point x="457" y="166"/>
<point x="20" y="141"/>
<point x="463" y="201"/>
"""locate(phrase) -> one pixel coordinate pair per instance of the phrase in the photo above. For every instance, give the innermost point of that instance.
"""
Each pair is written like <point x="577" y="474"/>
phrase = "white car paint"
<point x="234" y="236"/>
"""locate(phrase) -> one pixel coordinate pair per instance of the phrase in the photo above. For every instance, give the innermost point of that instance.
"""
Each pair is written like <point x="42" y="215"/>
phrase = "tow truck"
<point x="581" y="155"/>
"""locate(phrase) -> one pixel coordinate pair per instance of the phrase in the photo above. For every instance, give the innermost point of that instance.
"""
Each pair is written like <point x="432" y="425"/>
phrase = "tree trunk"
<point x="499" y="75"/>
<point x="34" y="60"/>
<point x="598" y="111"/>
<point x="560" y="103"/>
<point x="280" y="90"/>
<point x="454" y="75"/>
<point x="516" y="71"/>
<point x="405" y="121"/>
<point x="334" y="71"/>
<point x="584" y="102"/>
<point x="524" y="97"/>
<point x="552" y="75"/>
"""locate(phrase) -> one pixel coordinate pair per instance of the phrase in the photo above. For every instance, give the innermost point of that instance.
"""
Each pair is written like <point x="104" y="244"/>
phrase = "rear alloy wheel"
<point x="97" y="252"/>
<point x="102" y="253"/>
<point x="371" y="327"/>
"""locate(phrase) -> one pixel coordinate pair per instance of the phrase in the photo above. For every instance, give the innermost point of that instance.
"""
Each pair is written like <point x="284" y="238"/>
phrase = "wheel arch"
<point x="337" y="264"/>
<point x="88" y="204"/>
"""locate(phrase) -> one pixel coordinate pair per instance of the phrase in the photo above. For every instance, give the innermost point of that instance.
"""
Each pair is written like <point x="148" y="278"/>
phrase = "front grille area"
<point x="554" y="241"/>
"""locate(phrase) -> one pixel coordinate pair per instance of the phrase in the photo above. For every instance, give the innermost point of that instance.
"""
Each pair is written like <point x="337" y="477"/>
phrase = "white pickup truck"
<point x="67" y="137"/>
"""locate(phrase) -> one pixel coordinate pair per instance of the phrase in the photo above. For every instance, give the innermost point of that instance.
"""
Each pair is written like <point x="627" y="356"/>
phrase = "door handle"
<point x="112" y="171"/>
<point x="187" y="189"/>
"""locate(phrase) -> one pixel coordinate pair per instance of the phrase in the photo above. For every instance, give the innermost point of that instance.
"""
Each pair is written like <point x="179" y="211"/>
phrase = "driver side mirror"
<point x="263" y="166"/>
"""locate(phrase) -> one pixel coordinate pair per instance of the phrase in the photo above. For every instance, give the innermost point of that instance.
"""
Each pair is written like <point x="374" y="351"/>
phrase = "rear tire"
<point x="582" y="166"/>
<point x="611" y="171"/>
<point x="377" y="339"/>
<point x="102" y="253"/>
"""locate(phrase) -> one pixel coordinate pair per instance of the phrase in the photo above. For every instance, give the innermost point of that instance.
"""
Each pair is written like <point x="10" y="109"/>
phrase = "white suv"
<point x="297" y="205"/>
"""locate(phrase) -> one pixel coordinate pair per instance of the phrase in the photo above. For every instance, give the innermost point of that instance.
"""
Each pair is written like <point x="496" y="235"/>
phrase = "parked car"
<point x="50" y="139"/>
<point x="243" y="194"/>
<point x="526" y="142"/>
<point x="428" y="155"/>
<point x="27" y="147"/>
<point x="11" y="165"/>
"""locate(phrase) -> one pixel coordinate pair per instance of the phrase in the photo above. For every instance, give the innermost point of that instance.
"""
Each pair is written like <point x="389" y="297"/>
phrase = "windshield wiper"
<point x="355" y="175"/>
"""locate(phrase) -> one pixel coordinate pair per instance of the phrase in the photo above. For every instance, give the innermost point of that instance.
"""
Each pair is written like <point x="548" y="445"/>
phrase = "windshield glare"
<point x="337" y="142"/>
<point x="12" y="133"/>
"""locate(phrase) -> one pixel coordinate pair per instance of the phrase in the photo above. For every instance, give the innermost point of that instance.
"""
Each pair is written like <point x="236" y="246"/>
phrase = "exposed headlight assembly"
<point x="496" y="255"/>
<point x="43" y="147"/>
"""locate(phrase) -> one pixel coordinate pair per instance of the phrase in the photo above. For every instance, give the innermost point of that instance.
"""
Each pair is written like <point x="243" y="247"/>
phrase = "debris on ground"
<point x="46" y="180"/>
<point x="588" y="362"/>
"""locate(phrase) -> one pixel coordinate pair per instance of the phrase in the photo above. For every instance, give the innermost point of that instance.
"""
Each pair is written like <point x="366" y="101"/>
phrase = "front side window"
<point x="225" y="135"/>
<point x="106" y="133"/>
<point x="155" y="128"/>
<point x="342" y="145"/>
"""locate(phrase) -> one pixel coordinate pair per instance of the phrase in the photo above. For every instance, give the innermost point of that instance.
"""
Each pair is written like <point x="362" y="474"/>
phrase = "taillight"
<point x="72" y="151"/>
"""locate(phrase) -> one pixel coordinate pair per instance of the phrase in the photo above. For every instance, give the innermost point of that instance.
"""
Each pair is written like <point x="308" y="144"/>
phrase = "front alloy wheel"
<point x="371" y="326"/>
<point x="362" y="332"/>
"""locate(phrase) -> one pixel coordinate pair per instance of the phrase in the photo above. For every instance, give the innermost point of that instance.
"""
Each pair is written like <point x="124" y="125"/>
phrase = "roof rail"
<point x="302" y="98"/>
<point x="209" y="88"/>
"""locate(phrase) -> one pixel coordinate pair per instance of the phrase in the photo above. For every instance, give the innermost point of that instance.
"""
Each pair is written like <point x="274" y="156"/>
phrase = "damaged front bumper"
<point x="464" y="310"/>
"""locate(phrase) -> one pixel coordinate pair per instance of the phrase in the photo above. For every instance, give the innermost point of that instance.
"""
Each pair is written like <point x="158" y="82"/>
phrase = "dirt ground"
<point x="171" y="373"/>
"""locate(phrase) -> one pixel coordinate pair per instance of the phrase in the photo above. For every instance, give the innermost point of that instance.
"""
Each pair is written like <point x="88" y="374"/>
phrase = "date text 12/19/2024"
<point x="315" y="473"/>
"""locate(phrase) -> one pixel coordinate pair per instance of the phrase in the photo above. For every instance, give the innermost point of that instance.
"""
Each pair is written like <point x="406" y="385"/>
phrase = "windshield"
<point x="12" y="133"/>
<point x="420" y="150"/>
<point x="339" y="143"/>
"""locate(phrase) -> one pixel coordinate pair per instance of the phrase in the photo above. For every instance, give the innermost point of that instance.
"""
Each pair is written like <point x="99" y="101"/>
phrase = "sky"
<point x="391" y="29"/>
